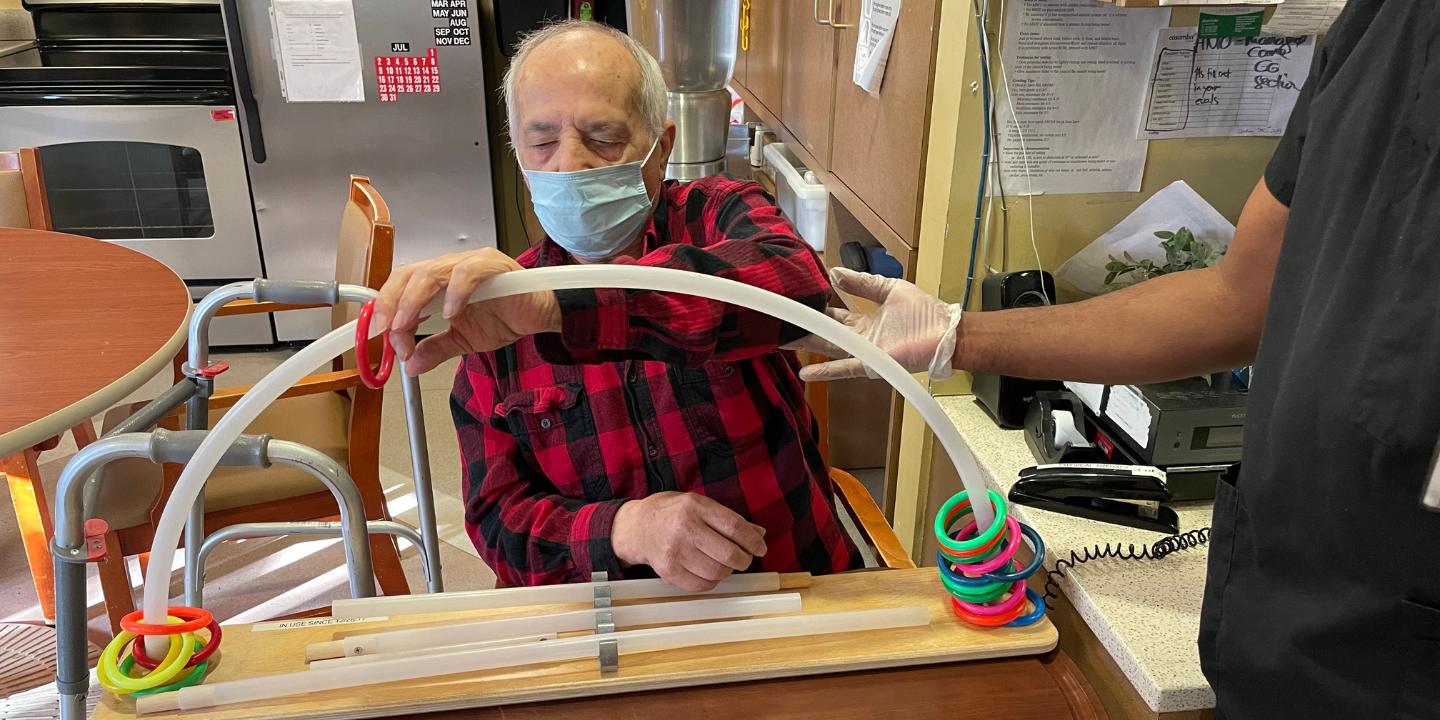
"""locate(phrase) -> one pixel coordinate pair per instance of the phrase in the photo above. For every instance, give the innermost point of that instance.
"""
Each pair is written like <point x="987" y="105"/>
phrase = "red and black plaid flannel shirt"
<point x="644" y="392"/>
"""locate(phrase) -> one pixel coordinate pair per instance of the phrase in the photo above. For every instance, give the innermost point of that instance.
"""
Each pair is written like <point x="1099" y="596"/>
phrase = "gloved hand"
<point x="912" y="326"/>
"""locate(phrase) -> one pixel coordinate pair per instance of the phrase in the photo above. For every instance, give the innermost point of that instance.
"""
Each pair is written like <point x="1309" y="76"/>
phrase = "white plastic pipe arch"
<point x="629" y="277"/>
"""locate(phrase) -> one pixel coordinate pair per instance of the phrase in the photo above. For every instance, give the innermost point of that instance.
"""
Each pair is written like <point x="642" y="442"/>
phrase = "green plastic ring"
<point x="191" y="678"/>
<point x="942" y="531"/>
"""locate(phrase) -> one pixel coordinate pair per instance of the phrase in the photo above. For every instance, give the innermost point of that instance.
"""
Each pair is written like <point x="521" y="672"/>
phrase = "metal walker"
<point x="79" y="485"/>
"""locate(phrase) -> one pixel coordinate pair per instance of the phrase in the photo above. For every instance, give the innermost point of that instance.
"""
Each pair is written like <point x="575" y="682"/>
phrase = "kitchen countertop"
<point x="1146" y="612"/>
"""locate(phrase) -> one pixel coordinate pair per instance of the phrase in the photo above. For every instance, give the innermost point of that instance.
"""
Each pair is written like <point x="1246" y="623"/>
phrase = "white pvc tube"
<point x="353" y="608"/>
<point x="621" y="615"/>
<point x="359" y="659"/>
<point x="629" y="277"/>
<point x="307" y="681"/>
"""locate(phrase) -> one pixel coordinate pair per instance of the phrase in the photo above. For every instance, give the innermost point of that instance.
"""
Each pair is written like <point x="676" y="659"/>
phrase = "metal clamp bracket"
<point x="602" y="592"/>
<point x="609" y="650"/>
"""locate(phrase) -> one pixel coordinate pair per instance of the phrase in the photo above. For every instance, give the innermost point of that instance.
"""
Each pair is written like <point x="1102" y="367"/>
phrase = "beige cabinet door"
<point x="879" y="143"/>
<point x="809" y="77"/>
<point x="764" y="64"/>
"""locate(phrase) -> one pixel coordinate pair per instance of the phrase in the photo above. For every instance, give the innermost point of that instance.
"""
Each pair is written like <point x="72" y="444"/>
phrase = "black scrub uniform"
<point x="1323" y="596"/>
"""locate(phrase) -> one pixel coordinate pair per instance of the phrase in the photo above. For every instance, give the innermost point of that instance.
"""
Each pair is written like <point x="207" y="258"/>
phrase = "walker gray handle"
<point x="178" y="446"/>
<point x="297" y="292"/>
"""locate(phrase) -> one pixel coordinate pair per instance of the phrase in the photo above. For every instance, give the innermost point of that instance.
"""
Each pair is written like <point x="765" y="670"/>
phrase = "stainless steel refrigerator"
<point x="423" y="143"/>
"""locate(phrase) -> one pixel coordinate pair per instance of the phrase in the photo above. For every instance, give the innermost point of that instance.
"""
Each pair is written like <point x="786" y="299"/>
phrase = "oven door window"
<point x="127" y="190"/>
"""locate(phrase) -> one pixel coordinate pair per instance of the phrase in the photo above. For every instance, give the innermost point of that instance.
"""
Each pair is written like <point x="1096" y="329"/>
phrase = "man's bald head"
<point x="592" y="57"/>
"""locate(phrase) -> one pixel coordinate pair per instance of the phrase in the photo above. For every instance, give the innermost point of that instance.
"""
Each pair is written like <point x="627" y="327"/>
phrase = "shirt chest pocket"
<point x="554" y="428"/>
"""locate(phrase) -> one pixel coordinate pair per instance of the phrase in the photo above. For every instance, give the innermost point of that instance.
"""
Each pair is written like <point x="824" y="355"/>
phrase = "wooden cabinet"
<point x="765" y="62"/>
<point x="880" y="143"/>
<point x="869" y="151"/>
<point x="809" y="79"/>
<point x="742" y="43"/>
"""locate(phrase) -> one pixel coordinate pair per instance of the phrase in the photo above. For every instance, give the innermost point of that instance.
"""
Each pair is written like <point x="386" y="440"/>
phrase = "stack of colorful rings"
<point x="187" y="652"/>
<point x="985" y="581"/>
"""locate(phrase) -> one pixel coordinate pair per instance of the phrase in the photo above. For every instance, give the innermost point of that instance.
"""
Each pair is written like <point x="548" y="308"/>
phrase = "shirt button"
<point x="729" y="370"/>
<point x="634" y="377"/>
<point x="545" y="423"/>
<point x="652" y="451"/>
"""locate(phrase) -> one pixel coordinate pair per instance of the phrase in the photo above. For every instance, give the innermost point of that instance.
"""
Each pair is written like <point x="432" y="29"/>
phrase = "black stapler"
<point x="1127" y="495"/>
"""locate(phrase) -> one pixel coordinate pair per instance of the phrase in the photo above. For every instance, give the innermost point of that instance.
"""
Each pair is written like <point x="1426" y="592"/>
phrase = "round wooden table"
<point x="83" y="323"/>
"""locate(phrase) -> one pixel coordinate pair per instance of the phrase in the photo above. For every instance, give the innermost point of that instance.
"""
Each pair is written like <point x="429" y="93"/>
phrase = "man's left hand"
<point x="480" y="327"/>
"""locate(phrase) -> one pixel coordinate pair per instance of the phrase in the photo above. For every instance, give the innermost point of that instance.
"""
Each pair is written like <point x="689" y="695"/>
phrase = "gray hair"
<point x="651" y="93"/>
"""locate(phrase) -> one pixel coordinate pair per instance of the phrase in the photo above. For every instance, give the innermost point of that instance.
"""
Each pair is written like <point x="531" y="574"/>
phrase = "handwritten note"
<point x="1224" y="86"/>
<point x="311" y="623"/>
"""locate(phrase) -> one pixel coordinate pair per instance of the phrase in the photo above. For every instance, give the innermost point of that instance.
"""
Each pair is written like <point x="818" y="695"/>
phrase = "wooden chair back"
<point x="857" y="500"/>
<point x="23" y="203"/>
<point x="367" y="244"/>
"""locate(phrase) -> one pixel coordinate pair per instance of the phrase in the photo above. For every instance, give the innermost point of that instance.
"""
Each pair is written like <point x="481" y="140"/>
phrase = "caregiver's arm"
<point x="1173" y="326"/>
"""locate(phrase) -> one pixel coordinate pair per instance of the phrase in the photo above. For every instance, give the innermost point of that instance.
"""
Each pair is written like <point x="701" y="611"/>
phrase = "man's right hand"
<point x="691" y="541"/>
<point x="481" y="327"/>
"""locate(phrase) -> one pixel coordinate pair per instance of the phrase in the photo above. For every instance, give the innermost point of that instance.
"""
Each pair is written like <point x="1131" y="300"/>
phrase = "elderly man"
<point x="611" y="430"/>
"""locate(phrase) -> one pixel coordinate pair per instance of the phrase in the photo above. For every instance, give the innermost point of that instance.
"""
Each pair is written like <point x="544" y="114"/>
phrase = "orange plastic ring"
<point x="987" y="620"/>
<point x="195" y="619"/>
<point x="373" y="380"/>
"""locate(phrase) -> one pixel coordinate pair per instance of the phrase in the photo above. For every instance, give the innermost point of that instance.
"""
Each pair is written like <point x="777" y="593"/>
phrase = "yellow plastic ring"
<point x="182" y="646"/>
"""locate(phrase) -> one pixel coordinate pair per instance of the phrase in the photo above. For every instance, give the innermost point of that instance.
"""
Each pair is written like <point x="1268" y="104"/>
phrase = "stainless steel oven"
<point x="133" y="111"/>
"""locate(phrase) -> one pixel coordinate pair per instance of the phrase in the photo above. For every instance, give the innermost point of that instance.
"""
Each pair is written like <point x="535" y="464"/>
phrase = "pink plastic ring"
<point x="1012" y="526"/>
<point x="373" y="380"/>
<point x="1017" y="597"/>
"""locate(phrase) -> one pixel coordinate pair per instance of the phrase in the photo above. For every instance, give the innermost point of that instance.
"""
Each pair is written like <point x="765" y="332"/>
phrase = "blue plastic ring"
<point x="997" y="577"/>
<point x="960" y="579"/>
<point x="1037" y="544"/>
<point x="1034" y="615"/>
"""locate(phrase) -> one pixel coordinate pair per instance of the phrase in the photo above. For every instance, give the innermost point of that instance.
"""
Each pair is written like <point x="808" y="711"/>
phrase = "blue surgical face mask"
<point x="592" y="213"/>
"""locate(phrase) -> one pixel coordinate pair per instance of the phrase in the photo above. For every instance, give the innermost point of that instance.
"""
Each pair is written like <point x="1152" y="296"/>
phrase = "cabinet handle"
<point x="832" y="23"/>
<point x="815" y="12"/>
<point x="745" y="26"/>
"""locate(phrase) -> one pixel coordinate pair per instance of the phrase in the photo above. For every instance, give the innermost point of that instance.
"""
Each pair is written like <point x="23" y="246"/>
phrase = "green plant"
<point x="1182" y="252"/>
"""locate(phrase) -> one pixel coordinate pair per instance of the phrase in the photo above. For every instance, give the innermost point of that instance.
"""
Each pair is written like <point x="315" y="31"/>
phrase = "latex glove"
<point x="912" y="326"/>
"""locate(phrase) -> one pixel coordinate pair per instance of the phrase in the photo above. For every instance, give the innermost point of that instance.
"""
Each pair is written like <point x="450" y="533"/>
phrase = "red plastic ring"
<point x="195" y="619"/>
<point x="137" y="650"/>
<point x="373" y="380"/>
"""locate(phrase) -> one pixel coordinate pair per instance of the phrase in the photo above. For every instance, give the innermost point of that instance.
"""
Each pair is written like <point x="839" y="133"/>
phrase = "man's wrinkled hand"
<point x="691" y="541"/>
<point x="480" y="327"/>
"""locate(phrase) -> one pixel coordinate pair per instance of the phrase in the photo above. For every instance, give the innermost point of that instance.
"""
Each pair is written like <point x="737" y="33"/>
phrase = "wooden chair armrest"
<point x="858" y="501"/>
<point x="319" y="383"/>
<point x="250" y="307"/>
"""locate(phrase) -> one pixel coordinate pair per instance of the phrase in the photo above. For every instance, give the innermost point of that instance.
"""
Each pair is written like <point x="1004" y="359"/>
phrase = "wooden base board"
<point x="248" y="653"/>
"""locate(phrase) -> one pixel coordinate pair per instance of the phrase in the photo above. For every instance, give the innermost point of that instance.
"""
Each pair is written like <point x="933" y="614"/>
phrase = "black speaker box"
<point x="1007" y="398"/>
